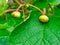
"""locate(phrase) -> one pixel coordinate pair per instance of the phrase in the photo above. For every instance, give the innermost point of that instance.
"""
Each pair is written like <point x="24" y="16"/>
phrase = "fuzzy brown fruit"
<point x="16" y="14"/>
<point x="44" y="18"/>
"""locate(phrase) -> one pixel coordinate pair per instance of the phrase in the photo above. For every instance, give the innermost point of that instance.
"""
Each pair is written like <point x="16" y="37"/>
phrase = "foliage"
<point x="29" y="30"/>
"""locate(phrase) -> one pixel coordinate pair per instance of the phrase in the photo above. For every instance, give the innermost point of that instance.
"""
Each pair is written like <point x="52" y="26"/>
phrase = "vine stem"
<point x="10" y="10"/>
<point x="17" y="2"/>
<point x="23" y="10"/>
<point x="36" y="8"/>
<point x="30" y="5"/>
<point x="44" y="9"/>
<point x="5" y="16"/>
<point x="19" y="7"/>
<point x="24" y="20"/>
<point x="51" y="8"/>
<point x="22" y="1"/>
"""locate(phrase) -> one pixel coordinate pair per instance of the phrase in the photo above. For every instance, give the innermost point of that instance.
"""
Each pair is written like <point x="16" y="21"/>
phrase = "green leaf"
<point x="41" y="3"/>
<point x="11" y="22"/>
<point x="54" y="2"/>
<point x="3" y="6"/>
<point x="29" y="1"/>
<point x="33" y="32"/>
<point x="3" y="35"/>
<point x="3" y="40"/>
<point x="3" y="26"/>
<point x="3" y="30"/>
